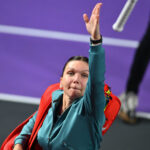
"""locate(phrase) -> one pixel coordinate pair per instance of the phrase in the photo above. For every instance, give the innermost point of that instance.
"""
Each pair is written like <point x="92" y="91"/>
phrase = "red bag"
<point x="9" y="141"/>
<point x="111" y="110"/>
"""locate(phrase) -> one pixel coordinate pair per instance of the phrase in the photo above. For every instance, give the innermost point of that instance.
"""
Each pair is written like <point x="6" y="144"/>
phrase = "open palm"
<point x="92" y="24"/>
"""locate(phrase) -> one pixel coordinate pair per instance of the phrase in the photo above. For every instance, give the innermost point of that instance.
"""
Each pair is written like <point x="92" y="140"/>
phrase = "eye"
<point x="71" y="73"/>
<point x="85" y="75"/>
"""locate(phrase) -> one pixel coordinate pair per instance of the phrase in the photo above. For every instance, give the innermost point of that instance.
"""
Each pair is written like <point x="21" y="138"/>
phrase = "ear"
<point x="60" y="86"/>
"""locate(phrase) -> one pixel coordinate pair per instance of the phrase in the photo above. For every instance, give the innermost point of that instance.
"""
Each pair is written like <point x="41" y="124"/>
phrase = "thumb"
<point x="85" y="18"/>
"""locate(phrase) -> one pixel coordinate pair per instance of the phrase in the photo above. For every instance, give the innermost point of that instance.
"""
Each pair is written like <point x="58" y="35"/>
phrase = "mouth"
<point x="75" y="88"/>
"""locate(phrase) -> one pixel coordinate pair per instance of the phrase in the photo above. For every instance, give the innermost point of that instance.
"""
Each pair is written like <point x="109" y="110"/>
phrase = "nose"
<point x="76" y="78"/>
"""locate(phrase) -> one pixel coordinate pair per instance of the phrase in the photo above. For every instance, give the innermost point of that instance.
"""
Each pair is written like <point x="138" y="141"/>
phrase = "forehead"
<point x="77" y="65"/>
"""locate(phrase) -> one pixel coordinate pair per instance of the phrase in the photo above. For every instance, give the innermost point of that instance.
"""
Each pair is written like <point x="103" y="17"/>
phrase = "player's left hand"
<point x="92" y="24"/>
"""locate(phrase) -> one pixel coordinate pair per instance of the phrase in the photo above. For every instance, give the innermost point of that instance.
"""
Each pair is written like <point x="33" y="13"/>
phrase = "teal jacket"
<point x="80" y="126"/>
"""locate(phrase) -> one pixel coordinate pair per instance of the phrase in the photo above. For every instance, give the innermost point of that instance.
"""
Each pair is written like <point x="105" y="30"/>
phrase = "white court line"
<point x="143" y="115"/>
<point x="19" y="98"/>
<point x="36" y="101"/>
<point x="65" y="36"/>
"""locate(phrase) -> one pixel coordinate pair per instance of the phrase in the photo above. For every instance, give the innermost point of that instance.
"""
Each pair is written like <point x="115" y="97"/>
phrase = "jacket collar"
<point x="56" y="95"/>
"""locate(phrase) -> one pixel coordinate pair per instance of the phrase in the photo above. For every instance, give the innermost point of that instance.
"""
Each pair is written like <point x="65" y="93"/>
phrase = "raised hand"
<point x="92" y="24"/>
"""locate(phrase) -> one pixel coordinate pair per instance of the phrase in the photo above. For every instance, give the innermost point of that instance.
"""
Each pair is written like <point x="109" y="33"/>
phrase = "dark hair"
<point x="81" y="58"/>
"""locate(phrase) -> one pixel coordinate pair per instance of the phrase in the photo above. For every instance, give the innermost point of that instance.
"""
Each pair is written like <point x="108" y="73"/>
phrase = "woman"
<point x="76" y="117"/>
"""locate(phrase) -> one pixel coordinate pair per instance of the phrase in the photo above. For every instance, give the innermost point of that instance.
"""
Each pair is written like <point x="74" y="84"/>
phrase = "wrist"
<point x="96" y="41"/>
<point x="97" y="37"/>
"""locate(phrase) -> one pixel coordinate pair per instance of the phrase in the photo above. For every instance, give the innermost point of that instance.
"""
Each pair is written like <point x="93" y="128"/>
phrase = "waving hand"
<point x="92" y="24"/>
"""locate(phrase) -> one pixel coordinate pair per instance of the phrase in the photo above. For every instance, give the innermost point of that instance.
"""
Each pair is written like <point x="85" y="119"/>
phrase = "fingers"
<point x="92" y="23"/>
<point x="85" y="18"/>
<point x="96" y="9"/>
<point x="95" y="12"/>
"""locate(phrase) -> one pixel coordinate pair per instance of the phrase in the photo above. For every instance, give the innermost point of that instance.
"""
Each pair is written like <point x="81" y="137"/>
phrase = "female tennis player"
<point x="75" y="120"/>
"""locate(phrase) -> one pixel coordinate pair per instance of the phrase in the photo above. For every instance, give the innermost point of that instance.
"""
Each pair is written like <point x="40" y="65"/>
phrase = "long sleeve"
<point x="94" y="94"/>
<point x="26" y="132"/>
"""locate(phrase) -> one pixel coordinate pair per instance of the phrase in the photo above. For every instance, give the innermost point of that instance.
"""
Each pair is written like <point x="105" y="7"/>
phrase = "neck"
<point x="66" y="103"/>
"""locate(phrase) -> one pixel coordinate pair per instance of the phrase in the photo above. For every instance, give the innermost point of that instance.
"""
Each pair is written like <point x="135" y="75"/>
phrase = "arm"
<point x="94" y="94"/>
<point x="95" y="99"/>
<point x="21" y="140"/>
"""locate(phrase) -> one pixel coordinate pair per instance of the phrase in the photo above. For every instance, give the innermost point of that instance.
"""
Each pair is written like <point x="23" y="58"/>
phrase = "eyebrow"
<point x="75" y="69"/>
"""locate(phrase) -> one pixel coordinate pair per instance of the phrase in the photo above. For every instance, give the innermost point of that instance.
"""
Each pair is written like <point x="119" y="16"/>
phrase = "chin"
<point x="75" y="96"/>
